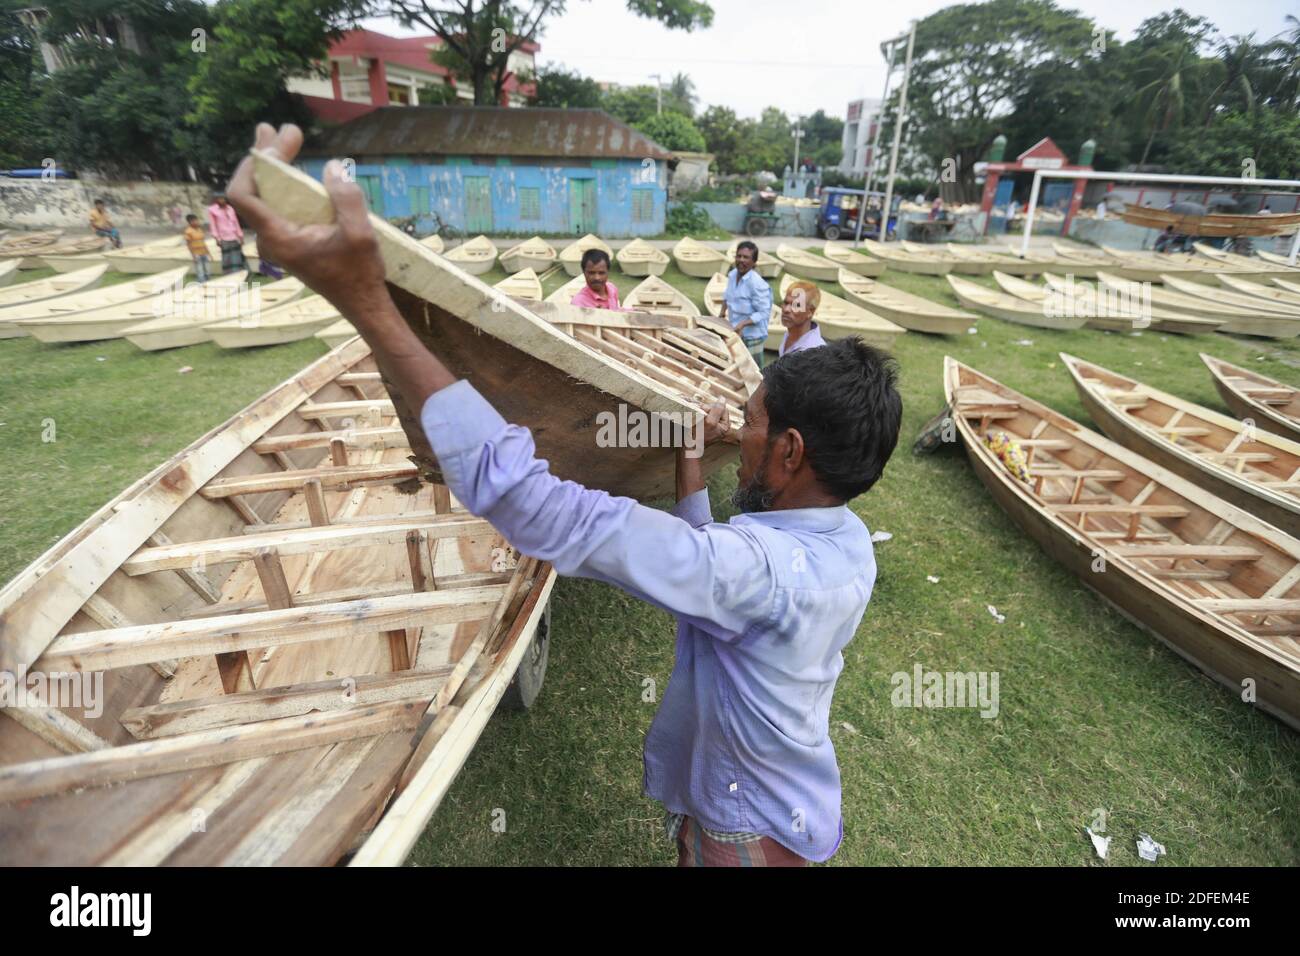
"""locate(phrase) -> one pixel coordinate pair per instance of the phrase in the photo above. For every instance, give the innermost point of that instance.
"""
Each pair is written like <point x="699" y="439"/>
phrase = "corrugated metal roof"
<point x="485" y="131"/>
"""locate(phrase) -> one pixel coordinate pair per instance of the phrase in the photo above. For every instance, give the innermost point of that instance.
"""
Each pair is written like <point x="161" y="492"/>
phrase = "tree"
<point x="478" y="36"/>
<point x="557" y="86"/>
<point x="22" y="135"/>
<point x="631" y="104"/>
<point x="673" y="131"/>
<point x="1270" y="138"/>
<point x="681" y="93"/>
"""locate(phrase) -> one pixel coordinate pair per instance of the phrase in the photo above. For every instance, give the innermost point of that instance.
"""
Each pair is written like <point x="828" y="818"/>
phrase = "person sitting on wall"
<point x="101" y="225"/>
<point x="801" y="332"/>
<point x="599" y="292"/>
<point x="747" y="301"/>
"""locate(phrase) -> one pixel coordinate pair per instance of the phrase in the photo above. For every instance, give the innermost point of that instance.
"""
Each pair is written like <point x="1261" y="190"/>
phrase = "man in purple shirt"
<point x="739" y="752"/>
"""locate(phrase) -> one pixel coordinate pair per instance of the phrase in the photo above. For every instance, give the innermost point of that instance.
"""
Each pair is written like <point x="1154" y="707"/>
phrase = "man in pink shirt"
<point x="599" y="292"/>
<point x="224" y="225"/>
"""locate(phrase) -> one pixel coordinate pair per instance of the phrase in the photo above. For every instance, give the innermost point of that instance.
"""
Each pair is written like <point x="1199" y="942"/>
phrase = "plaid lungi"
<point x="232" y="255"/>
<point x="697" y="846"/>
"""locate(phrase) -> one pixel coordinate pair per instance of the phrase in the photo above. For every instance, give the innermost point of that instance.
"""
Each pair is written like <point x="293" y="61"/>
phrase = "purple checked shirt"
<point x="764" y="605"/>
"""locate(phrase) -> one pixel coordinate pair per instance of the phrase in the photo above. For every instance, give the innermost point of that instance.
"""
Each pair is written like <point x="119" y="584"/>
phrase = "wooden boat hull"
<point x="336" y="334"/>
<point x="1235" y="320"/>
<point x="1213" y="224"/>
<point x="1257" y="290"/>
<point x="1272" y="258"/>
<point x="524" y="284"/>
<point x="640" y="259"/>
<point x="1274" y="508"/>
<point x="1005" y="307"/>
<point x="908" y="311"/>
<point x="768" y="265"/>
<point x="16" y="300"/>
<point x="699" y="268"/>
<point x="571" y="255"/>
<point x="190" y="323"/>
<point x="549" y="367"/>
<point x="856" y="262"/>
<point x="1284" y="421"/>
<point x="535" y="254"/>
<point x="284" y="691"/>
<point x="1223" y="651"/>
<point x="807" y="266"/>
<point x="1229" y="297"/>
<point x="901" y="261"/>
<point x="8" y="272"/>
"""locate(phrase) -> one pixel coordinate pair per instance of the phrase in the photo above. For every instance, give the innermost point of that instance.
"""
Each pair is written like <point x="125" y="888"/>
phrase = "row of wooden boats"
<point x="1184" y="519"/>
<point x="301" y="634"/>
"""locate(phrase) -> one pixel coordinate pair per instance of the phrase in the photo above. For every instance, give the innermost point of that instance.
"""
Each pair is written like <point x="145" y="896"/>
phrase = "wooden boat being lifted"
<point x="1236" y="320"/>
<point x="1116" y="310"/>
<point x="188" y="320"/>
<point x="173" y="304"/>
<point x="571" y="255"/>
<point x="639" y="258"/>
<point x="549" y="367"/>
<point x="524" y="284"/>
<point x="287" y="323"/>
<point x="655" y="295"/>
<point x="1009" y="308"/>
<point x="901" y="260"/>
<point x="15" y="299"/>
<point x="912" y="312"/>
<point x="768" y="265"/>
<point x="535" y="253"/>
<point x="1211" y="581"/>
<point x="859" y="263"/>
<point x="1253" y="469"/>
<point x="1271" y="404"/>
<point x="696" y="259"/>
<point x="807" y="265"/>
<point x="289" y="641"/>
<point x="476" y="256"/>
<point x="839" y="319"/>
<point x="71" y="263"/>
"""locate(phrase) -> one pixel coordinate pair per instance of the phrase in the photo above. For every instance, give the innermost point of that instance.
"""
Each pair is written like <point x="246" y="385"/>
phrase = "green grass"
<point x="1095" y="713"/>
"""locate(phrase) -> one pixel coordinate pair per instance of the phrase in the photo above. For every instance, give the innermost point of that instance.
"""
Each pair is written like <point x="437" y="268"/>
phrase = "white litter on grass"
<point x="1135" y="334"/>
<point x="1099" y="843"/>
<point x="932" y="579"/>
<point x="1148" y="848"/>
<point x="849" y="727"/>
<point x="183" y="369"/>
<point x="1023" y="342"/>
<point x="880" y="536"/>
<point x="972" y="331"/>
<point x="100" y="358"/>
<point x="1000" y="618"/>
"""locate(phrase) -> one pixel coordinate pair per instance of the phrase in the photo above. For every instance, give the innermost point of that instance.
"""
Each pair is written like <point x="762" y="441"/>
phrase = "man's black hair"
<point x="191" y="216"/>
<point x="594" y="255"/>
<point x="101" y="202"/>
<point x="843" y="399"/>
<point x="746" y="244"/>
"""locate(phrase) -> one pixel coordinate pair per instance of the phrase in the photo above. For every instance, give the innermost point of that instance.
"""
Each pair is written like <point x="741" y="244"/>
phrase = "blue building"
<point x="491" y="170"/>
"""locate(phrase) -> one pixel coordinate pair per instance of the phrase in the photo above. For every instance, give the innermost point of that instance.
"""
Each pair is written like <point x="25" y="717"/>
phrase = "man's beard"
<point x="754" y="495"/>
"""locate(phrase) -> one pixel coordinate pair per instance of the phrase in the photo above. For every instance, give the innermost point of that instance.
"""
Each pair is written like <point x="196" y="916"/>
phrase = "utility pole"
<point x="875" y="138"/>
<point x="798" y="135"/>
<point x="899" y="120"/>
<point x="659" y="94"/>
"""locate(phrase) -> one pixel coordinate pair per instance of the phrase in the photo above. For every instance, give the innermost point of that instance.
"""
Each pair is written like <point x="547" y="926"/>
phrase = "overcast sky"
<point x="804" y="55"/>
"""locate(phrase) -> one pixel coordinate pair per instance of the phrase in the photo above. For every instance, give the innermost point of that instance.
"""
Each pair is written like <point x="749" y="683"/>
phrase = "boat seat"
<point x="1243" y="456"/>
<point x="1097" y="474"/>
<point x="974" y="395"/>
<point x="1045" y="444"/>
<point x="1188" y="431"/>
<point x="1196" y="552"/>
<point x="1154" y="511"/>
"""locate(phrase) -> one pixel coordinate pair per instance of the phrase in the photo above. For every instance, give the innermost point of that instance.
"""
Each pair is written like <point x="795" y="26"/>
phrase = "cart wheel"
<point x="832" y="232"/>
<point x="756" y="227"/>
<point x="527" y="682"/>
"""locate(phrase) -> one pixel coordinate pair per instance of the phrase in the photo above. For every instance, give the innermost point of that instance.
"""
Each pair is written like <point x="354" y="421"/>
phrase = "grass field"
<point x="1095" y="715"/>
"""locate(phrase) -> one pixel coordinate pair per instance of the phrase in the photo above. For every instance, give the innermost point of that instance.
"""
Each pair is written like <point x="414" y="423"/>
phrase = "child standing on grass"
<point x="198" y="246"/>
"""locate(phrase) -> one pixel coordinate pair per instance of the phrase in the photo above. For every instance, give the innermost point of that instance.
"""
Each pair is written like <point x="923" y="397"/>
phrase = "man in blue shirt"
<point x="739" y="753"/>
<point x="747" y="303"/>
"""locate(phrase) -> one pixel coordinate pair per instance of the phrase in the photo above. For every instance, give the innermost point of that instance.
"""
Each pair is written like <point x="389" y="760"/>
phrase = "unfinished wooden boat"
<point x="1225" y="296"/>
<point x="1287" y="284"/>
<point x="1274" y="259"/>
<point x="655" y="295"/>
<point x="287" y="323"/>
<point x="1007" y="264"/>
<point x="549" y="367"/>
<point x="901" y="260"/>
<point x="71" y="263"/>
<point x="768" y="265"/>
<point x="696" y="259"/>
<point x="475" y="257"/>
<point x="186" y="320"/>
<point x="15" y="299"/>
<point x="173" y="303"/>
<point x="1123" y="310"/>
<point x="535" y="253"/>
<point x="522" y="285"/>
<point x="1256" y="290"/>
<point x="639" y="258"/>
<point x="964" y="262"/>
<point x="1211" y="581"/>
<point x="8" y="271"/>
<point x="807" y="265"/>
<point x="433" y="242"/>
<point x="846" y="257"/>
<point x="839" y="319"/>
<point x="288" y="640"/>
<point x="1244" y="266"/>
<point x="1057" y="263"/>
<point x="1008" y="307"/>
<point x="93" y="299"/>
<point x="1236" y="320"/>
<point x="1151" y="266"/>
<point x="23" y="244"/>
<point x="336" y="334"/>
<point x="1270" y="404"/>
<point x="1232" y="459"/>
<point x="912" y="312"/>
<point x="565" y="293"/>
<point x="571" y="255"/>
<point x="1212" y="224"/>
<point x="75" y="247"/>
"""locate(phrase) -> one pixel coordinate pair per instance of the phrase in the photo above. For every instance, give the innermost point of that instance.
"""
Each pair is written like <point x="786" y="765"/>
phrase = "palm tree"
<point x="1175" y="72"/>
<point x="1243" y="62"/>
<point x="682" y="90"/>
<point x="1286" y="50"/>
